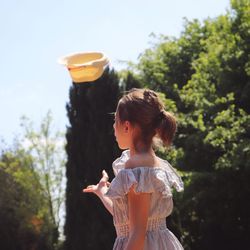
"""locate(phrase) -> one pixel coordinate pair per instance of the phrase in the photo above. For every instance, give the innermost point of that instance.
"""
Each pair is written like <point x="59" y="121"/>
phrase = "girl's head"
<point x="140" y="116"/>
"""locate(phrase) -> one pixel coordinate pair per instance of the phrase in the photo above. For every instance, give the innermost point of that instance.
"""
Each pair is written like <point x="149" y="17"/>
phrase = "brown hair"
<point x="142" y="107"/>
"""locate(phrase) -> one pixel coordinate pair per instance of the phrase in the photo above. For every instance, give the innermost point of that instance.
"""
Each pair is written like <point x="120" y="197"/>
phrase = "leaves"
<point x="36" y="165"/>
<point x="46" y="146"/>
<point x="22" y="202"/>
<point x="204" y="79"/>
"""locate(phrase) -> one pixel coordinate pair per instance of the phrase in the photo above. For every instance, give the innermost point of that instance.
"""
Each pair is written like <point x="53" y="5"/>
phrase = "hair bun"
<point x="161" y="115"/>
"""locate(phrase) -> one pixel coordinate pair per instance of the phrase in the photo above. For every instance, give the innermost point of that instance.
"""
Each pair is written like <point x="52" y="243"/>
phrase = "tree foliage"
<point x="204" y="76"/>
<point x="23" y="212"/>
<point x="46" y="146"/>
<point x="90" y="148"/>
<point x="32" y="191"/>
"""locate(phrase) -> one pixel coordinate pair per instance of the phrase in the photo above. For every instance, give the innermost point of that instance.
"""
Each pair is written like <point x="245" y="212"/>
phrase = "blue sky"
<point x="34" y="34"/>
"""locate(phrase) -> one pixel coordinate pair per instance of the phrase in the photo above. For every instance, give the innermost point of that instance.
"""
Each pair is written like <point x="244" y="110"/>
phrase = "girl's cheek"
<point x="114" y="131"/>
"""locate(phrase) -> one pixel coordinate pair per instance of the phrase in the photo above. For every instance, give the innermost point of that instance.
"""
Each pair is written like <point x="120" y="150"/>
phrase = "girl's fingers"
<point x="105" y="176"/>
<point x="86" y="190"/>
<point x="103" y="181"/>
<point x="89" y="188"/>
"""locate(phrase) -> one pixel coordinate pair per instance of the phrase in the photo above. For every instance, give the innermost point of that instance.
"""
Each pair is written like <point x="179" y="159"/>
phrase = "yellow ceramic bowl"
<point x="86" y="66"/>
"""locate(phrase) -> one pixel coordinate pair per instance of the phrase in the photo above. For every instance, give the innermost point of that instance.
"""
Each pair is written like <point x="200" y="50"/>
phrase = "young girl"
<point x="140" y="197"/>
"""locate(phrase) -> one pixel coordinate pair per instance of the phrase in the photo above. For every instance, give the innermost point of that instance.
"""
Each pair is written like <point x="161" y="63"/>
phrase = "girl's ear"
<point x="127" y="126"/>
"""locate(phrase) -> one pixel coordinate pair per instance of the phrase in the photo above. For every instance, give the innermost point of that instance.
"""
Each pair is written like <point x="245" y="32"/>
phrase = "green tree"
<point x="24" y="219"/>
<point x="90" y="148"/>
<point x="204" y="74"/>
<point x="46" y="146"/>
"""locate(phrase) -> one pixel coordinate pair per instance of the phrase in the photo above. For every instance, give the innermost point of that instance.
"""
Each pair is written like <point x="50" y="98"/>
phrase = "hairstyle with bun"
<point x="144" y="109"/>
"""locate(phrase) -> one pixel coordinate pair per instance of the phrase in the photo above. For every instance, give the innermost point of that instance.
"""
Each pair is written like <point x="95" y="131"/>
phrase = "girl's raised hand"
<point x="100" y="188"/>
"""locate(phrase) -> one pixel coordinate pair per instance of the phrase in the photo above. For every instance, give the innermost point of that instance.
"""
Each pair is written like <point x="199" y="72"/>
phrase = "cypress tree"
<point x="91" y="147"/>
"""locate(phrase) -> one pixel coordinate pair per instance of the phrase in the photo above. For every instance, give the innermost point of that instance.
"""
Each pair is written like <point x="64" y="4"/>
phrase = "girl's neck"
<point x="134" y="151"/>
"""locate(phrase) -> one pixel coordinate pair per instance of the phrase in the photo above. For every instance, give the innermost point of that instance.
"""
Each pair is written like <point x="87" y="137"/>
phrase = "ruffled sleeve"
<point x="119" y="163"/>
<point x="121" y="184"/>
<point x="173" y="177"/>
<point x="145" y="180"/>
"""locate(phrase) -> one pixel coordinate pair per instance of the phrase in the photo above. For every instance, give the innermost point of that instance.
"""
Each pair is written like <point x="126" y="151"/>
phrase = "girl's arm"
<point x="138" y="205"/>
<point x="107" y="202"/>
<point x="100" y="189"/>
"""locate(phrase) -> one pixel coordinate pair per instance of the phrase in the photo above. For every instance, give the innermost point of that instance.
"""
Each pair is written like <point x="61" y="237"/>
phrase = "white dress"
<point x="155" y="180"/>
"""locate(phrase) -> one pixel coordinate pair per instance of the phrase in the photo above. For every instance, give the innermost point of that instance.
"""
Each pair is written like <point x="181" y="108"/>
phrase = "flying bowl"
<point x="85" y="66"/>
